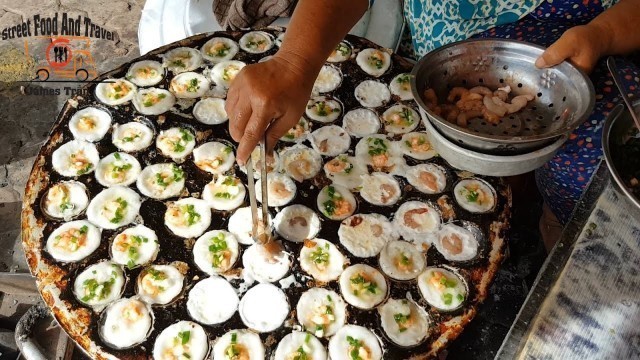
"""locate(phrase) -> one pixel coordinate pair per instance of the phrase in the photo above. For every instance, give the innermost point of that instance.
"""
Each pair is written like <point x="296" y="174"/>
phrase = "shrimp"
<point x="280" y="190"/>
<point x="419" y="144"/>
<point x="336" y="165"/>
<point x="453" y="244"/>
<point x="388" y="192"/>
<point x="519" y="102"/>
<point x="457" y="93"/>
<point x="409" y="217"/>
<point x="430" y="97"/>
<point x="298" y="220"/>
<point x="342" y="207"/>
<point x="464" y="117"/>
<point x="131" y="313"/>
<point x="428" y="180"/>
<point x="380" y="160"/>
<point x="376" y="230"/>
<point x="322" y="315"/>
<point x="502" y="93"/>
<point x="86" y="123"/>
<point x="482" y="90"/>
<point x="436" y="280"/>
<point x="299" y="169"/>
<point x="71" y="240"/>
<point x="490" y="116"/>
<point x="57" y="194"/>
<point x="470" y="104"/>
<point x="122" y="242"/>
<point x="497" y="107"/>
<point x="149" y="286"/>
<point x="79" y="160"/>
<point x="450" y="112"/>
<point x="324" y="145"/>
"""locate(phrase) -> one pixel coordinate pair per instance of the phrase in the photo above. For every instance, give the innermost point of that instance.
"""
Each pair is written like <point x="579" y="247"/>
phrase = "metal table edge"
<point x="551" y="269"/>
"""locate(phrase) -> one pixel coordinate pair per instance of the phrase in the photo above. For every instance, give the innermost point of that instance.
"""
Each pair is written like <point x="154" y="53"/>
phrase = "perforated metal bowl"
<point x="563" y="95"/>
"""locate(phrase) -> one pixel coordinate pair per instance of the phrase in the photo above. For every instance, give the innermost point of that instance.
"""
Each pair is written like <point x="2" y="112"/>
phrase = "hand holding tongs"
<point x="261" y="237"/>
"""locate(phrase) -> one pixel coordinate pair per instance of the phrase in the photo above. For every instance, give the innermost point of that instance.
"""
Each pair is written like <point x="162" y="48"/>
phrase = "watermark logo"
<point x="61" y="46"/>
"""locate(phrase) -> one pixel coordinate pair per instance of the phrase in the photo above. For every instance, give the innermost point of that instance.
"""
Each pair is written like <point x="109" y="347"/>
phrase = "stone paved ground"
<point x="25" y="120"/>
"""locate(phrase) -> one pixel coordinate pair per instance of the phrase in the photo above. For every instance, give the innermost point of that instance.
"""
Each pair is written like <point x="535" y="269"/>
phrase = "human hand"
<point x="583" y="45"/>
<point x="270" y="94"/>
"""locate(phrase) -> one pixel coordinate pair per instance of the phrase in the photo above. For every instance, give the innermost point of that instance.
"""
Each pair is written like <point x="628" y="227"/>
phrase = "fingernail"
<point x="240" y="162"/>
<point x="541" y="63"/>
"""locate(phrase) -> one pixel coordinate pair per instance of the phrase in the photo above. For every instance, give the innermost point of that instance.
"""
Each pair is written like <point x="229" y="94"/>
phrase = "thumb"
<point x="559" y="51"/>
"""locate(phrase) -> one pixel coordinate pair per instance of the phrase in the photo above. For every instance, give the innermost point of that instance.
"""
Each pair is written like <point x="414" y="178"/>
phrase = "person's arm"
<point x="278" y="89"/>
<point x="613" y="32"/>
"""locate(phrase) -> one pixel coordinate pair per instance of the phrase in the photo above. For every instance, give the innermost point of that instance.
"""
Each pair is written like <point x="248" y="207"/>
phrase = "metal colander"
<point x="563" y="95"/>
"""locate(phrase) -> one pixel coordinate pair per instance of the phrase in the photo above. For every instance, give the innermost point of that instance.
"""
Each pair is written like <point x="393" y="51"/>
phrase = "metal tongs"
<point x="260" y="236"/>
<point x="617" y="79"/>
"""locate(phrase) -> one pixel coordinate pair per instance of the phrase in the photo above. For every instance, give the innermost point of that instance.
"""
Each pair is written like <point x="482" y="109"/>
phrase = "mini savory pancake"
<point x="353" y="339"/>
<point x="214" y="157"/>
<point x="99" y="284"/>
<point x="328" y="79"/>
<point x="210" y="111"/>
<point x="65" y="200"/>
<point x="256" y="42"/>
<point x="153" y="101"/>
<point x="372" y="94"/>
<point x="321" y="312"/>
<point x="300" y="162"/>
<point x="219" y="49"/>
<point x="240" y="344"/>
<point x="224" y="72"/>
<point x="475" y="195"/>
<point x="297" y="133"/>
<point x="216" y="251"/>
<point x="273" y="163"/>
<point x="75" y="158"/>
<point x="115" y="91"/>
<point x="132" y="136"/>
<point x="404" y="322"/>
<point x="401" y="260"/>
<point x="240" y="225"/>
<point x="265" y="268"/>
<point x="417" y="222"/>
<point x="225" y="193"/>
<point x="188" y="217"/>
<point x="117" y="169"/>
<point x="114" y="207"/>
<point x="380" y="189"/>
<point x="400" y="119"/>
<point x="297" y="223"/>
<point x="161" y="181"/>
<point x="457" y="243"/>
<point x="330" y="140"/>
<point x="264" y="308"/>
<point x="364" y="235"/>
<point x="90" y="124"/>
<point x="442" y="288"/>
<point x="427" y="178"/>
<point x="363" y="286"/>
<point x="182" y="59"/>
<point x="373" y="61"/>
<point x="322" y="260"/>
<point x="125" y="323"/>
<point x="300" y="345"/>
<point x="73" y="241"/>
<point x="341" y="53"/>
<point x="345" y="171"/>
<point x="176" y="143"/>
<point x="159" y="284"/>
<point x="210" y="310"/>
<point x="182" y="340"/>
<point x="336" y="202"/>
<point x="189" y="85"/>
<point x="145" y="73"/>
<point x="417" y="146"/>
<point x="135" y="246"/>
<point x="323" y="109"/>
<point x="379" y="153"/>
<point x="361" y="122"/>
<point x="400" y="86"/>
<point x="280" y="188"/>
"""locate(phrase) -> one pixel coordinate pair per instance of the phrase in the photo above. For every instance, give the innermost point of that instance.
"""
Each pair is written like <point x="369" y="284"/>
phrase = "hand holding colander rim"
<point x="563" y="95"/>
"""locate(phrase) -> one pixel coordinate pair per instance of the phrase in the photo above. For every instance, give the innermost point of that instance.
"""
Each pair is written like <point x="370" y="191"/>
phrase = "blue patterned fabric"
<point x="563" y="179"/>
<point x="434" y="23"/>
